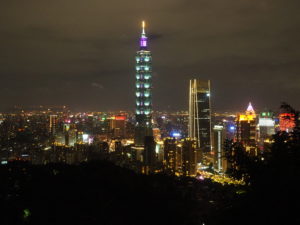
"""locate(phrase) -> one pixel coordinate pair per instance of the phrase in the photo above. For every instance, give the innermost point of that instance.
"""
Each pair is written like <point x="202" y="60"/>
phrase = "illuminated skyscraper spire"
<point x="143" y="74"/>
<point x="143" y="38"/>
<point x="143" y="26"/>
<point x="250" y="110"/>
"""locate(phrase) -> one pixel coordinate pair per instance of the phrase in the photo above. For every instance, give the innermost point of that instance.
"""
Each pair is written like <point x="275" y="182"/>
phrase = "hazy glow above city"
<point x="69" y="53"/>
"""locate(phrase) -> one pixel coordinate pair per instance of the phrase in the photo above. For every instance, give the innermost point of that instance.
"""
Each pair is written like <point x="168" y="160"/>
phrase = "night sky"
<point x="81" y="53"/>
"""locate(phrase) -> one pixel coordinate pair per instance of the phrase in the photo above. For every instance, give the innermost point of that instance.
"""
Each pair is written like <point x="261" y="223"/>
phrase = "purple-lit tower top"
<point x="143" y="38"/>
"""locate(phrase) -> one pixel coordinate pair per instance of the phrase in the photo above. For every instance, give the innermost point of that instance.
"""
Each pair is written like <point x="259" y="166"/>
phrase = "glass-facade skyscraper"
<point x="143" y="93"/>
<point x="200" y="114"/>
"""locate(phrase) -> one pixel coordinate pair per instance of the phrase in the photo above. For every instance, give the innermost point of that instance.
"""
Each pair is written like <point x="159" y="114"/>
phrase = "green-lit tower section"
<point x="143" y="93"/>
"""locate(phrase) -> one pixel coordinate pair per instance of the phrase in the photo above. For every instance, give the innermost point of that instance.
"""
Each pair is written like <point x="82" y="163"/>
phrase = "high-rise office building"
<point x="189" y="157"/>
<point x="172" y="155"/>
<point x="180" y="156"/>
<point x="143" y="74"/>
<point x="266" y="125"/>
<point x="149" y="155"/>
<point x="118" y="126"/>
<point x="246" y="132"/>
<point x="156" y="134"/>
<point x="288" y="118"/>
<point x="287" y="122"/>
<point x="200" y="114"/>
<point x="219" y="134"/>
<point x="53" y="124"/>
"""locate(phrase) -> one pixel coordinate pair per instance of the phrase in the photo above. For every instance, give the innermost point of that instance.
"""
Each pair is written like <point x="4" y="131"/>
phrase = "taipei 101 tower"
<point x="143" y="93"/>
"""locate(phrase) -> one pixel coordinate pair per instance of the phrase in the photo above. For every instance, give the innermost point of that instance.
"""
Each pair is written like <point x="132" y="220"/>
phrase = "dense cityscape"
<point x="54" y="135"/>
<point x="177" y="143"/>
<point x="144" y="166"/>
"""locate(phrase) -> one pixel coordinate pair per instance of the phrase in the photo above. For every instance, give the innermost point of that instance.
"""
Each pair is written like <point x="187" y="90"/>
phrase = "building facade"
<point x="199" y="128"/>
<point x="180" y="156"/>
<point x="288" y="118"/>
<point x="118" y="126"/>
<point x="53" y="124"/>
<point x="189" y="157"/>
<point x="246" y="132"/>
<point x="172" y="156"/>
<point x="219" y="134"/>
<point x="266" y="124"/>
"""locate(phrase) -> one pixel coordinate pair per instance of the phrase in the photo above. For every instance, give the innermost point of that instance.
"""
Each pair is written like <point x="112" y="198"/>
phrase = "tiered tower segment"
<point x="143" y="74"/>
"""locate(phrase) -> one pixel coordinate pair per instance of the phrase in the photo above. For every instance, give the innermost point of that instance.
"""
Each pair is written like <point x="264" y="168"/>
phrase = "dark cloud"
<point x="154" y="37"/>
<point x="97" y="85"/>
<point x="66" y="52"/>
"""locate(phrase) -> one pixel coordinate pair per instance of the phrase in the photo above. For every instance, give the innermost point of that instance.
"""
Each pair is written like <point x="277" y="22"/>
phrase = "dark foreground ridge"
<point x="101" y="193"/>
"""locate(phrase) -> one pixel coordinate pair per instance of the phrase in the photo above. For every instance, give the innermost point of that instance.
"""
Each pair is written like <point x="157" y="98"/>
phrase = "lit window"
<point x="147" y="85"/>
<point x="146" y="68"/>
<point x="137" y="68"/>
<point x="138" y="94"/>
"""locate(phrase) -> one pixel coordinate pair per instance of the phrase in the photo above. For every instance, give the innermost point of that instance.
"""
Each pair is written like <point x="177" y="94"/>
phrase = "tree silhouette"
<point x="273" y="178"/>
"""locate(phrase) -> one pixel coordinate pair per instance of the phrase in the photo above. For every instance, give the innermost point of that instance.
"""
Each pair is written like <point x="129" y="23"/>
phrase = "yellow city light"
<point x="246" y="117"/>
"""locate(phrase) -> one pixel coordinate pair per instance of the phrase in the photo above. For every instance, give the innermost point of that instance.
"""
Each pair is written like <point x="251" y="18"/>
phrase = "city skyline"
<point x="66" y="54"/>
<point x="149" y="112"/>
